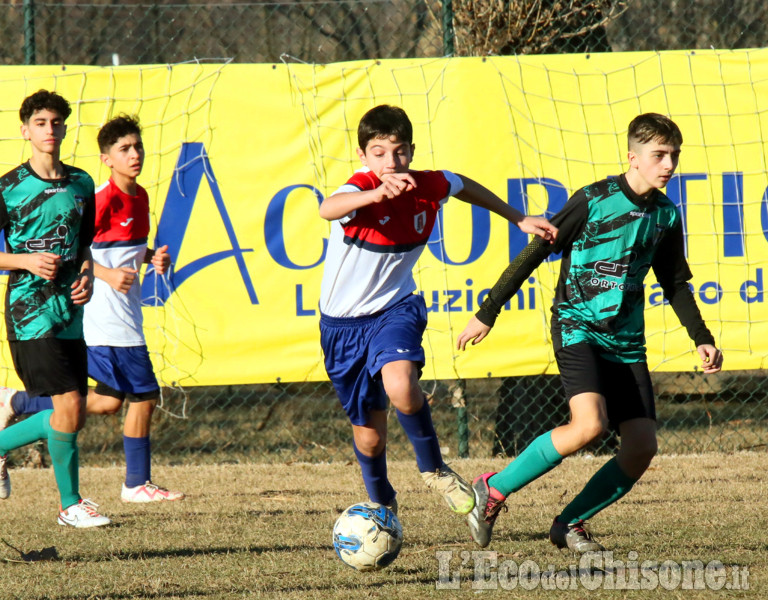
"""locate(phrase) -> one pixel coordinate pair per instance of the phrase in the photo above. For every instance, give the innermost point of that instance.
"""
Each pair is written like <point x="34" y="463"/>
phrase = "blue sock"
<point x="137" y="461"/>
<point x="22" y="404"/>
<point x="421" y="431"/>
<point x="375" y="476"/>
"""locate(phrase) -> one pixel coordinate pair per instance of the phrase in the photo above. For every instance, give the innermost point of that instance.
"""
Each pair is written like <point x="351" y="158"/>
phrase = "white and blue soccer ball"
<point x="367" y="536"/>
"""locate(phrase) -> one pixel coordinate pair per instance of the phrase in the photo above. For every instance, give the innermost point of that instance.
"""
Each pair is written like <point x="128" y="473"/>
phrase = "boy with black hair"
<point x="118" y="359"/>
<point x="47" y="213"/>
<point x="611" y="233"/>
<point x="371" y="322"/>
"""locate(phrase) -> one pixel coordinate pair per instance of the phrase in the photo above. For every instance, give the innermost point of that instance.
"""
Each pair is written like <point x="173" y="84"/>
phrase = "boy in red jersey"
<point x="371" y="322"/>
<point x="118" y="359"/>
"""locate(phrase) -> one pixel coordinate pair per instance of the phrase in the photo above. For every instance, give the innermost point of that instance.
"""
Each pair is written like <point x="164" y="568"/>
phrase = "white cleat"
<point x="5" y="480"/>
<point x="456" y="492"/>
<point x="149" y="492"/>
<point x="6" y="408"/>
<point x="82" y="515"/>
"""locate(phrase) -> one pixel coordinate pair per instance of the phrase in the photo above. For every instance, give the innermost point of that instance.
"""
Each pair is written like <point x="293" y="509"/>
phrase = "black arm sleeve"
<point x="512" y="278"/>
<point x="570" y="222"/>
<point x="672" y="273"/>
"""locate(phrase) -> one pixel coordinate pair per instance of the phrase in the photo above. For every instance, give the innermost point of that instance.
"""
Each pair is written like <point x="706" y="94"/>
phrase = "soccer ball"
<point x="367" y="536"/>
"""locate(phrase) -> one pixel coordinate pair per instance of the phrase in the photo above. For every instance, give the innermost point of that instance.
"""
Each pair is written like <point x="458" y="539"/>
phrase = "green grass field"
<point x="264" y="531"/>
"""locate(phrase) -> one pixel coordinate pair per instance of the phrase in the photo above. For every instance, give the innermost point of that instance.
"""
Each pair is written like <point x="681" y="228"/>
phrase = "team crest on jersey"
<point x="420" y="221"/>
<point x="80" y="201"/>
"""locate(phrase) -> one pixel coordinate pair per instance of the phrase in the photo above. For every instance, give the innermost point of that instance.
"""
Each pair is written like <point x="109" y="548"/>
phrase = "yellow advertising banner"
<point x="239" y="157"/>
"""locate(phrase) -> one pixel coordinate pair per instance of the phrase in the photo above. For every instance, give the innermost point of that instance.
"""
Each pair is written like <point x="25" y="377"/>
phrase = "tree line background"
<point x="103" y="32"/>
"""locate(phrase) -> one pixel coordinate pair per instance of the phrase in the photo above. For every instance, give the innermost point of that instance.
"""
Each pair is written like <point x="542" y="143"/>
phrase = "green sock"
<point x="31" y="429"/>
<point x="538" y="458"/>
<point x="606" y="487"/>
<point x="65" y="458"/>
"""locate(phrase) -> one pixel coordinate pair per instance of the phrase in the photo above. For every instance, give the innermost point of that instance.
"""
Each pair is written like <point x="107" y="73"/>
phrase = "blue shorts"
<point x="358" y="347"/>
<point x="125" y="369"/>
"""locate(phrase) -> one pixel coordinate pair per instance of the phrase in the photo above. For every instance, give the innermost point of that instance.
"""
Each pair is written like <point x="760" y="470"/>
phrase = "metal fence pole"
<point x="459" y="402"/>
<point x="29" y="32"/>
<point x="448" y="33"/>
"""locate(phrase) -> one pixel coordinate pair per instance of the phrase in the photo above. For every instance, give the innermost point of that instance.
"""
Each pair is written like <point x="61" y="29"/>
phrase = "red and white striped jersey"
<point x="120" y="240"/>
<point x="372" y="251"/>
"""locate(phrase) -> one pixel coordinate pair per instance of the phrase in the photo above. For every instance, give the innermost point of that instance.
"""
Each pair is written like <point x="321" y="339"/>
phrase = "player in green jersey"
<point x="47" y="214"/>
<point x="611" y="233"/>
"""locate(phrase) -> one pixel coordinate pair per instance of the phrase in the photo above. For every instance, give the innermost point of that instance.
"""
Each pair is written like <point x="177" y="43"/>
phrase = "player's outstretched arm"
<point x="479" y="195"/>
<point x="341" y="204"/>
<point x="711" y="358"/>
<point x="511" y="279"/>
<point x="475" y="331"/>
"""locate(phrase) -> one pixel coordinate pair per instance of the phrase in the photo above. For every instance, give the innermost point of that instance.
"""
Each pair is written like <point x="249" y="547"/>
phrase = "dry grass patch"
<point x="264" y="531"/>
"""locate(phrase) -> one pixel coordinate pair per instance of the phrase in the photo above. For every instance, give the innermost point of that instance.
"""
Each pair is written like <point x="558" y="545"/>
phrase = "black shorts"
<point x="105" y="390"/>
<point x="626" y="387"/>
<point x="50" y="366"/>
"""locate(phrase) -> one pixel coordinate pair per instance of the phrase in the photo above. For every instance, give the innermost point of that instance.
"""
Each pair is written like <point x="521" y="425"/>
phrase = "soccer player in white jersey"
<point x="371" y="322"/>
<point x="118" y="359"/>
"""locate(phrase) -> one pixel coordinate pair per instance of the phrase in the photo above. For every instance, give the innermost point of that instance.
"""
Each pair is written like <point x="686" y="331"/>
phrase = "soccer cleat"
<point x="488" y="503"/>
<point x="456" y="492"/>
<point x="392" y="505"/>
<point x="6" y="408"/>
<point x="5" y="480"/>
<point x="149" y="492"/>
<point x="83" y="515"/>
<point x="574" y="536"/>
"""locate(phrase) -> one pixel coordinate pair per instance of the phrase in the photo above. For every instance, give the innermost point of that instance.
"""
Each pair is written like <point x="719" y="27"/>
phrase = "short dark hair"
<point x="44" y="100"/>
<point x="384" y="121"/>
<point x="653" y="126"/>
<point x="116" y="128"/>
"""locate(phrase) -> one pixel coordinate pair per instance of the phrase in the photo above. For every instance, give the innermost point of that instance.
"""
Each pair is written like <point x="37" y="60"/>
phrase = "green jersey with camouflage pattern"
<point x="600" y="295"/>
<point x="39" y="215"/>
<point x="610" y="237"/>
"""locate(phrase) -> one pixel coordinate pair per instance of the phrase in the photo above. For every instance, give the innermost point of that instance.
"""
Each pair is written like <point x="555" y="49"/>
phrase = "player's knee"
<point x="636" y="458"/>
<point x="406" y="395"/>
<point x="113" y="408"/>
<point x="411" y="402"/>
<point x="398" y="389"/>
<point x="401" y="381"/>
<point x="643" y="454"/>
<point x="593" y="430"/>
<point x="371" y="443"/>
<point x="71" y="406"/>
<point x="145" y="408"/>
